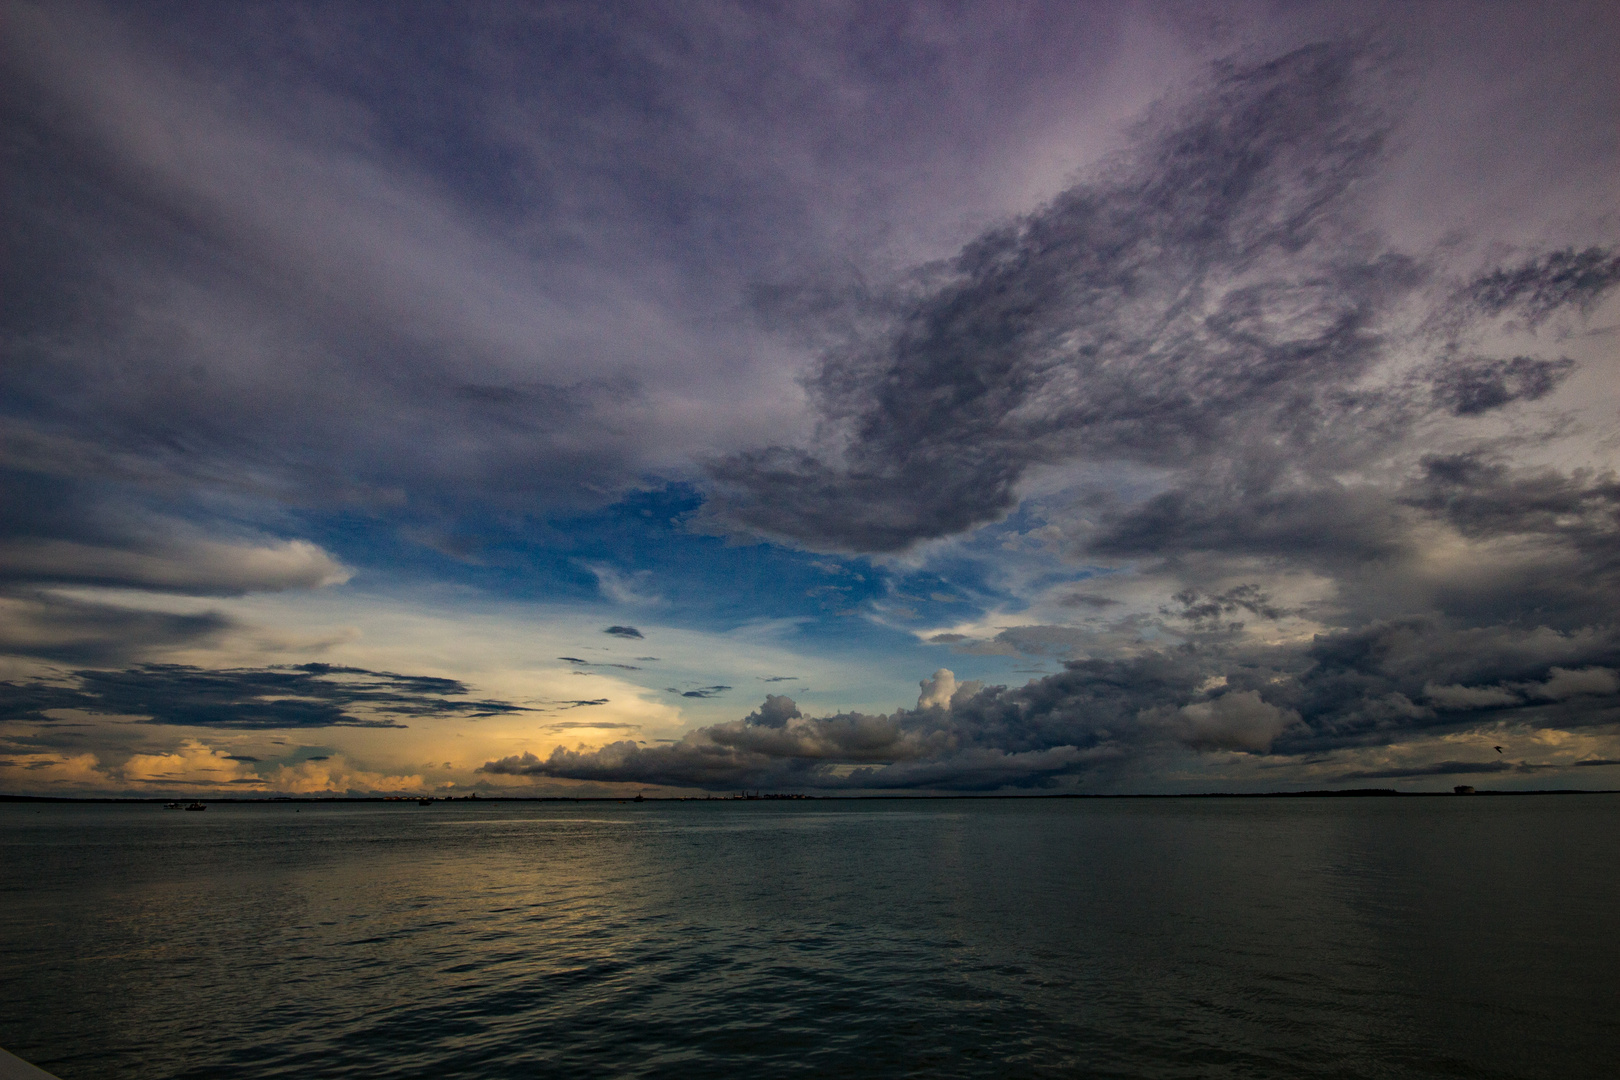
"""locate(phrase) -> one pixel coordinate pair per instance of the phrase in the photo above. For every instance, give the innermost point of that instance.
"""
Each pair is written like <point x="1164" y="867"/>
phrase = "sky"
<point x="593" y="399"/>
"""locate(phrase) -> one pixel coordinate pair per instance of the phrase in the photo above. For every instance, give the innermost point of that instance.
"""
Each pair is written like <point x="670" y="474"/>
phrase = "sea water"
<point x="1300" y="937"/>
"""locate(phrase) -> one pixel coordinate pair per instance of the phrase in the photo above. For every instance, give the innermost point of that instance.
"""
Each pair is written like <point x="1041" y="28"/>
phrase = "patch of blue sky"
<point x="635" y="555"/>
<point x="637" y="562"/>
<point x="1002" y="566"/>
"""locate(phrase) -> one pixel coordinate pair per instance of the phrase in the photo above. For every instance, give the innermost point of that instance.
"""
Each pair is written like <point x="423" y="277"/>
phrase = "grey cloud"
<point x="1443" y="768"/>
<point x="573" y="725"/>
<point x="40" y="623"/>
<point x="309" y="695"/>
<point x="63" y="532"/>
<point x="474" y="259"/>
<point x="775" y="713"/>
<point x="195" y="566"/>
<point x="1029" y="640"/>
<point x="982" y="769"/>
<point x="1217" y="307"/>
<point x="1478" y="386"/>
<point x="982" y="739"/>
<point x="1591" y="681"/>
<point x="1541" y="286"/>
<point x="774" y="747"/>
<point x="1371" y="685"/>
<point x="598" y="663"/>
<point x="1201" y="289"/>
<point x="480" y="293"/>
<point x="1351" y="689"/>
<point x="1375" y="540"/>
<point x="1198" y="607"/>
<point x="1088" y="600"/>
<point x="1240" y="720"/>
<point x="700" y="692"/>
<point x="623" y="631"/>
<point x="1469" y="697"/>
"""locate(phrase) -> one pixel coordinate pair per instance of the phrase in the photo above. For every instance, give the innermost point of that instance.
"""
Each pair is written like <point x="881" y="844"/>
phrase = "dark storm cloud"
<point x="310" y="695"/>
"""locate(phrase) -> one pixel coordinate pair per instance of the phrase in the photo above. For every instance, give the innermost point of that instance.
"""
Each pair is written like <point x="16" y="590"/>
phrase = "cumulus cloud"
<point x="937" y="690"/>
<point x="1097" y="718"/>
<point x="336" y="776"/>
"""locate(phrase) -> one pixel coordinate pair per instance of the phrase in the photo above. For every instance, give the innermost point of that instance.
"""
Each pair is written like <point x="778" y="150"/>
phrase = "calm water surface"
<point x="1168" y="938"/>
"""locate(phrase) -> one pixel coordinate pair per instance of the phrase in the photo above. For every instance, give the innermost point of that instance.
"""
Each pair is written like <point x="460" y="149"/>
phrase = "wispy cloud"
<point x="310" y="695"/>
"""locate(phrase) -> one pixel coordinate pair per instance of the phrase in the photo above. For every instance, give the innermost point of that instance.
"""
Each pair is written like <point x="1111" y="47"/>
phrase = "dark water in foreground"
<point x="1211" y="938"/>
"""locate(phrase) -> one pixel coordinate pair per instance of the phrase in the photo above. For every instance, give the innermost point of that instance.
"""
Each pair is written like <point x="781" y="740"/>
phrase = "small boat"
<point x="424" y="802"/>
<point x="196" y="806"/>
<point x="172" y="806"/>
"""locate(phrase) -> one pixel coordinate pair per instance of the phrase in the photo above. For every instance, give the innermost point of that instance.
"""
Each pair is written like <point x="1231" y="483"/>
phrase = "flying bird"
<point x="1498" y="749"/>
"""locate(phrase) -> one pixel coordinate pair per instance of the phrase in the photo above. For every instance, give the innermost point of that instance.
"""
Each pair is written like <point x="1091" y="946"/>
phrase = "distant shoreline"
<point x="1338" y="793"/>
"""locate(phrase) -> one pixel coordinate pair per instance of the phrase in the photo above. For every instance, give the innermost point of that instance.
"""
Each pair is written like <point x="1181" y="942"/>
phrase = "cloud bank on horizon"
<point x="1278" y="426"/>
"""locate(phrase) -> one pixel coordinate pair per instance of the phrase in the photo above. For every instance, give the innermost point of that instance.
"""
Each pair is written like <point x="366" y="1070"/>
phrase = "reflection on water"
<point x="1165" y="938"/>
